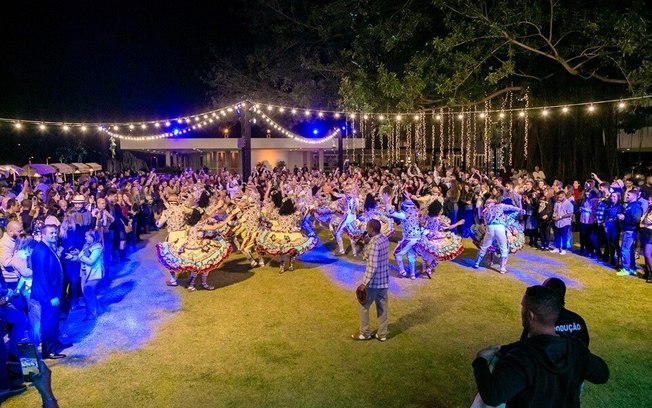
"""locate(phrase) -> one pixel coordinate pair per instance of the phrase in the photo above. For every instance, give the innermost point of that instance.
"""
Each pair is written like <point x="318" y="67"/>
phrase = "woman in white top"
<point x="91" y="259"/>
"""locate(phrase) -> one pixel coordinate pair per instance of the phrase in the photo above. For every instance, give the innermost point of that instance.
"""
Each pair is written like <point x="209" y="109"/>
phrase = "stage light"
<point x="315" y="131"/>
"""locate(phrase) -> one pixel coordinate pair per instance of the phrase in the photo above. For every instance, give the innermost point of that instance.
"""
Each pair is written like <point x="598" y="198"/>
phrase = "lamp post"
<point x="47" y="160"/>
<point x="29" y="170"/>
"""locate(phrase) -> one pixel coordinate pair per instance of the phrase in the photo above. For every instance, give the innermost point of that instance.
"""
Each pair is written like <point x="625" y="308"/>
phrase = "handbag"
<point x="361" y="294"/>
<point x="128" y="227"/>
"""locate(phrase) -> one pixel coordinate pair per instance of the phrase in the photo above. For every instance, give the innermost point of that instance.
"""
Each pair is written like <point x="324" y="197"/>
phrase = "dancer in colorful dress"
<point x="438" y="243"/>
<point x="247" y="228"/>
<point x="284" y="238"/>
<point x="372" y="212"/>
<point x="195" y="253"/>
<point x="348" y="224"/>
<point x="499" y="219"/>
<point x="174" y="218"/>
<point x="409" y="217"/>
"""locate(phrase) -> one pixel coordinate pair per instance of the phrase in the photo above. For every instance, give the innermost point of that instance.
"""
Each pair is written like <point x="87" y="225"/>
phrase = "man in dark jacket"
<point x="546" y="369"/>
<point x="569" y="322"/>
<point x="47" y="286"/>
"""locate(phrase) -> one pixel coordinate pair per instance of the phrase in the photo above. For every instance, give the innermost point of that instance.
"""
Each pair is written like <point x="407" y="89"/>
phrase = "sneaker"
<point x="562" y="252"/>
<point x="413" y="276"/>
<point x="360" y="337"/>
<point x="476" y="266"/>
<point x="622" y="272"/>
<point x="207" y="287"/>
<point x="381" y="339"/>
<point x="191" y="288"/>
<point x="171" y="283"/>
<point x="553" y="250"/>
<point x="503" y="271"/>
<point x="402" y="274"/>
<point x="281" y="269"/>
<point x="261" y="263"/>
<point x="632" y="272"/>
<point x="291" y="267"/>
<point x="253" y="264"/>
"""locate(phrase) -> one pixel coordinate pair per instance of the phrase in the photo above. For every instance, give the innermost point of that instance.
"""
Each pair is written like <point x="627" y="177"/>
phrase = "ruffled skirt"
<point x="200" y="256"/>
<point x="274" y="243"/>
<point x="441" y="246"/>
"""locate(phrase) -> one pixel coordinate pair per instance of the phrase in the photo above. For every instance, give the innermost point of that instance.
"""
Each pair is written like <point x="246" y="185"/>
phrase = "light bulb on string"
<point x="460" y="116"/>
<point x="438" y="117"/>
<point x="337" y="115"/>
<point x="18" y="125"/>
<point x="564" y="109"/>
<point x="621" y="105"/>
<point x="42" y="127"/>
<point x="416" y="117"/>
<point x="143" y="126"/>
<point x="501" y="115"/>
<point x="83" y="128"/>
<point x="591" y="108"/>
<point x="544" y="112"/>
<point x="131" y="127"/>
<point x="65" y="128"/>
<point x="381" y="117"/>
<point x="521" y="114"/>
<point x="293" y="111"/>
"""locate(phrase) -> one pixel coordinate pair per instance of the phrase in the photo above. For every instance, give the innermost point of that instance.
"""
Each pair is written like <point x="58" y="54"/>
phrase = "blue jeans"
<point x="627" y="250"/>
<point x="563" y="237"/>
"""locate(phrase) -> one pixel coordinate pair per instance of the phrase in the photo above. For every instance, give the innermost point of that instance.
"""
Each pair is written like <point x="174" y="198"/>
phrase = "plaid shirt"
<point x="376" y="274"/>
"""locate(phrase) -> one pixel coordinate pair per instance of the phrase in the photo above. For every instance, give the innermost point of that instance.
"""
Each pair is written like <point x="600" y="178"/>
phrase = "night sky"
<point x="82" y="61"/>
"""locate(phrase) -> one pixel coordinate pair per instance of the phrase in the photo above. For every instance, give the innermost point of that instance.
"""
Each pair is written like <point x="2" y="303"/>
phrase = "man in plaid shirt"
<point x="376" y="279"/>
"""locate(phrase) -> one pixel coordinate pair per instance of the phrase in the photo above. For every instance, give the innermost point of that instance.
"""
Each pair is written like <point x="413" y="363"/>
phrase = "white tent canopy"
<point x="80" y="168"/>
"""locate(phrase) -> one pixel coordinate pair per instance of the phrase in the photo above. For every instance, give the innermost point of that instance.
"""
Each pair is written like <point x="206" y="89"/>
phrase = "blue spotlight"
<point x="315" y="131"/>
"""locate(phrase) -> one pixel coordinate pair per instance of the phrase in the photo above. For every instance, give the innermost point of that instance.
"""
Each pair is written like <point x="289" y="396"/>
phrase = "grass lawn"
<point x="269" y="340"/>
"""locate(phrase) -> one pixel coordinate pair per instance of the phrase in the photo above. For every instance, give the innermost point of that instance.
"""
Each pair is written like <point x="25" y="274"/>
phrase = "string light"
<point x="564" y="109"/>
<point x="292" y="135"/>
<point x="42" y="127"/>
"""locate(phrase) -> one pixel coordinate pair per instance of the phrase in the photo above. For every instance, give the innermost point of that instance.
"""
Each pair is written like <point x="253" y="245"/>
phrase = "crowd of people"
<point x="59" y="238"/>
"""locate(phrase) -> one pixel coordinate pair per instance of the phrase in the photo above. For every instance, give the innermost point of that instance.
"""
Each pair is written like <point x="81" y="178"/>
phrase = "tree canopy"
<point x="387" y="55"/>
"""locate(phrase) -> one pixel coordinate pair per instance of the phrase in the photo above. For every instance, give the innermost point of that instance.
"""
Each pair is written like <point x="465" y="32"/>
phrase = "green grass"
<point x="271" y="340"/>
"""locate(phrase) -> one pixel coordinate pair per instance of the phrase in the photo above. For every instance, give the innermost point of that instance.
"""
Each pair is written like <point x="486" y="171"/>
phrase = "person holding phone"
<point x="91" y="259"/>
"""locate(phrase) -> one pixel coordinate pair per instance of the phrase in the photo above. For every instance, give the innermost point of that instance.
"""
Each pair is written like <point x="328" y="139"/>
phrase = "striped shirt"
<point x="376" y="274"/>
